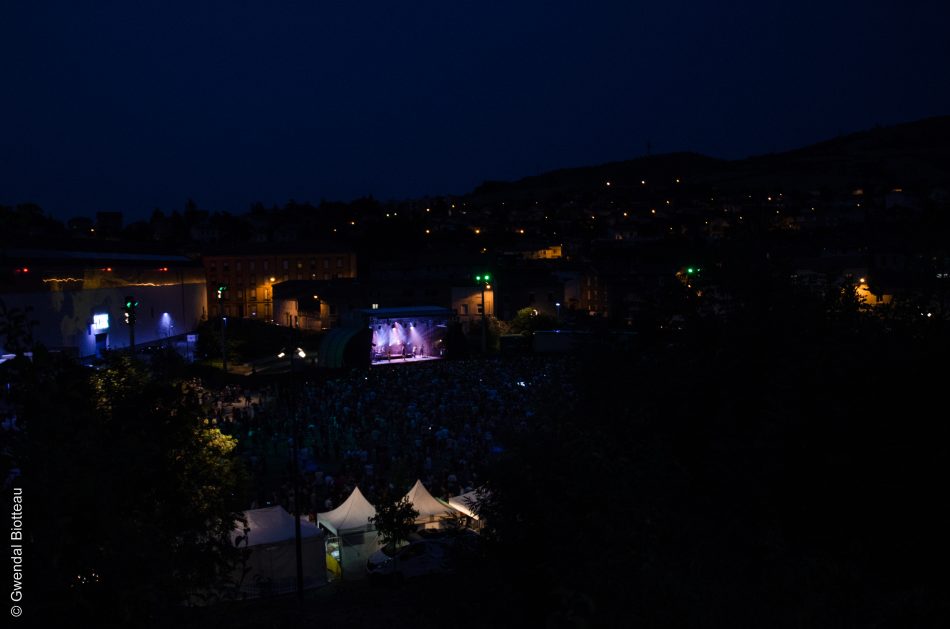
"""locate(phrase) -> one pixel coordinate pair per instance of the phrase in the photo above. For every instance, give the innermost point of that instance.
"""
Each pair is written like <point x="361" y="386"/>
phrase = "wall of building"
<point x="250" y="279"/>
<point x="466" y="302"/>
<point x="65" y="319"/>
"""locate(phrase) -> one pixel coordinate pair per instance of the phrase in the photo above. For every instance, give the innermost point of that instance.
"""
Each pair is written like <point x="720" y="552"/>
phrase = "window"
<point x="240" y="294"/>
<point x="313" y="263"/>
<point x="237" y="266"/>
<point x="253" y="294"/>
<point x="266" y="264"/>
<point x="299" y="264"/>
<point x="224" y="267"/>
<point x="286" y="276"/>
<point x="286" y="264"/>
<point x="339" y="263"/>
<point x="478" y="308"/>
<point x="464" y="309"/>
<point x="250" y="266"/>
<point x="326" y="276"/>
<point x="326" y="263"/>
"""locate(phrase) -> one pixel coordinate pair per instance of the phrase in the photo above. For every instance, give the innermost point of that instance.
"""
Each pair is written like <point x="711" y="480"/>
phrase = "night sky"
<point x="135" y="105"/>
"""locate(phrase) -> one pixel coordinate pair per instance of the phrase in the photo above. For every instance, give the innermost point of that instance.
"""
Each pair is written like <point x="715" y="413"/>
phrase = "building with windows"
<point x="249" y="276"/>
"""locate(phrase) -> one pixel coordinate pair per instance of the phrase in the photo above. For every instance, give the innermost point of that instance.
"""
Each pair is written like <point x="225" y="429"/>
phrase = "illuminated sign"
<point x="100" y="322"/>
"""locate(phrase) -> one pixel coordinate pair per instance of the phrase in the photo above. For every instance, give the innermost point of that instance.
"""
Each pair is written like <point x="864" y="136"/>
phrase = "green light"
<point x="478" y="278"/>
<point x="689" y="270"/>
<point x="487" y="277"/>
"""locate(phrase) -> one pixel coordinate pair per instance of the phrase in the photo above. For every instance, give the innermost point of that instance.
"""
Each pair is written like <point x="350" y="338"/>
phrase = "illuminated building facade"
<point x="250" y="277"/>
<point x="75" y="299"/>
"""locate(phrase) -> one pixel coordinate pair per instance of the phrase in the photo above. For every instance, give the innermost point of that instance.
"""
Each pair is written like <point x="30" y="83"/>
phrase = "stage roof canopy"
<point x="410" y="311"/>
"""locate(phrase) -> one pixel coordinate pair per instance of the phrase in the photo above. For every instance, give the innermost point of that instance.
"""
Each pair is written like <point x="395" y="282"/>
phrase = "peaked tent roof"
<point x="272" y="525"/>
<point x="427" y="506"/>
<point x="464" y="502"/>
<point x="353" y="514"/>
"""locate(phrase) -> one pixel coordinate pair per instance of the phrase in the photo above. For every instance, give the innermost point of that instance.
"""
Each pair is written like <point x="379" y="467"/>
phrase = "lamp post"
<point x="130" y="308"/>
<point x="298" y="545"/>
<point x="483" y="282"/>
<point x="224" y="327"/>
<point x="557" y="305"/>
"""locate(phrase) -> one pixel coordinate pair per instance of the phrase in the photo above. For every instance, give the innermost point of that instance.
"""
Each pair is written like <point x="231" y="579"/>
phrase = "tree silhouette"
<point x="395" y="521"/>
<point x="16" y="328"/>
<point x="135" y="495"/>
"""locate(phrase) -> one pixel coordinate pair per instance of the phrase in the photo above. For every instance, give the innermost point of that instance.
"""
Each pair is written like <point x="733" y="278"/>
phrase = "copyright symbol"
<point x="15" y="611"/>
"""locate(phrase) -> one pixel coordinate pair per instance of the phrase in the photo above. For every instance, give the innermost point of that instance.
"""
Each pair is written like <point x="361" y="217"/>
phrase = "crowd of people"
<point x="383" y="428"/>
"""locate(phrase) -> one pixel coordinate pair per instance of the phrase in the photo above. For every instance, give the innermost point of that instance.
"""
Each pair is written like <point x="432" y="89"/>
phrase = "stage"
<point x="401" y="336"/>
<point x="399" y="360"/>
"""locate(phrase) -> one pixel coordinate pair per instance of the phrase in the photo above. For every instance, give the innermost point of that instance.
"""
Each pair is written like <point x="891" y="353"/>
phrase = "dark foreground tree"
<point x="132" y="494"/>
<point x="781" y="471"/>
<point x="395" y="521"/>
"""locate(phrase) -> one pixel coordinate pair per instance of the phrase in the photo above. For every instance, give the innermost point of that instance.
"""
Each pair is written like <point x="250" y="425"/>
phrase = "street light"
<point x="298" y="543"/>
<point x="484" y="281"/>
<point x="298" y="351"/>
<point x="557" y="305"/>
<point x="129" y="308"/>
<point x="222" y="288"/>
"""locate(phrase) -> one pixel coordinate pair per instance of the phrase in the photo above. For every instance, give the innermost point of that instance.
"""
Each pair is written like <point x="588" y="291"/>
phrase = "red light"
<point x="107" y="269"/>
<point x="163" y="269"/>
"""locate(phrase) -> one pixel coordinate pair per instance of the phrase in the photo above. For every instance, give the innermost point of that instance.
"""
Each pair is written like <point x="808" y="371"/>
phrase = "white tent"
<point x="352" y="515"/>
<point x="355" y="539"/>
<point x="430" y="509"/>
<point x="272" y="564"/>
<point x="465" y="502"/>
